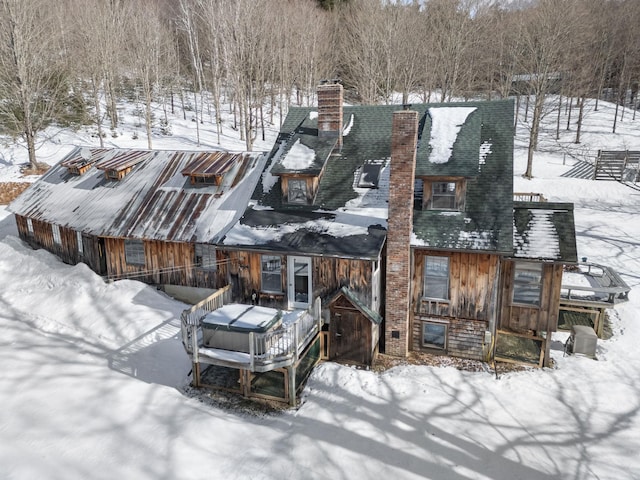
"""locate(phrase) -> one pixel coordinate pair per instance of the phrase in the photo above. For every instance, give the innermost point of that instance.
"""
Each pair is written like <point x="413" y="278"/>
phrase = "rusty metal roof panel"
<point x="154" y="201"/>
<point x="124" y="159"/>
<point x="211" y="164"/>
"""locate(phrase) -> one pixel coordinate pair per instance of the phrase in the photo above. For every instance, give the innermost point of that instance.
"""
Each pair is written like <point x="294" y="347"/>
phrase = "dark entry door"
<point x="349" y="338"/>
<point x="102" y="257"/>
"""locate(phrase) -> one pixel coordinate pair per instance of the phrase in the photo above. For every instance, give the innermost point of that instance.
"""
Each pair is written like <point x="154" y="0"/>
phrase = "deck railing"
<point x="267" y="350"/>
<point x="528" y="197"/>
<point x="607" y="286"/>
<point x="192" y="317"/>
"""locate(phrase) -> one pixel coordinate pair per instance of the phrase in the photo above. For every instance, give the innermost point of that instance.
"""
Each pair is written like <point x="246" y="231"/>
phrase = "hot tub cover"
<point x="243" y="318"/>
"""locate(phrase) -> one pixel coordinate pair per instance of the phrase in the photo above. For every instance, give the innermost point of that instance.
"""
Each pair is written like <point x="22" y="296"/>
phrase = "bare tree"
<point x="33" y="83"/>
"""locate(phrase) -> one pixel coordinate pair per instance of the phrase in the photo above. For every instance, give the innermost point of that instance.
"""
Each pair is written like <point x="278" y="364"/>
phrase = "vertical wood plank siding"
<point x="473" y="287"/>
<point x="519" y="318"/>
<point x="328" y="275"/>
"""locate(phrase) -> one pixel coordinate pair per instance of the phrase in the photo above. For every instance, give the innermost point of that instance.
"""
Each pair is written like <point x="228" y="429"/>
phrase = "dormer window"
<point x="297" y="191"/>
<point x="446" y="194"/>
<point x="443" y="196"/>
<point x="210" y="168"/>
<point x="117" y="167"/>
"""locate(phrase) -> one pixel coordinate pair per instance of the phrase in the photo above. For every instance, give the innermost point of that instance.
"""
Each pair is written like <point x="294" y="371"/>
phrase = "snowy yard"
<point x="93" y="373"/>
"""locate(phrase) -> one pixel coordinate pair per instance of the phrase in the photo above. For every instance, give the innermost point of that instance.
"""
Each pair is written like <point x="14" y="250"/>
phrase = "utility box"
<point x="584" y="340"/>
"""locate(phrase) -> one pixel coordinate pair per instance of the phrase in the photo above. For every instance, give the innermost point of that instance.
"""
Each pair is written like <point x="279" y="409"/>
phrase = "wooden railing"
<point x="608" y="286"/>
<point x="528" y="197"/>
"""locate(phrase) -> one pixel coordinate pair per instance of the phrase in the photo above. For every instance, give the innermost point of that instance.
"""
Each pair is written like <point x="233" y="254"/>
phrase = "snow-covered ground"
<point x="93" y="373"/>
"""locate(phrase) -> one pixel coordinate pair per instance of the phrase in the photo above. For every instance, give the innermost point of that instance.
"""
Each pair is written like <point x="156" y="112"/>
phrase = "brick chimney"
<point x="330" y="111"/>
<point x="404" y="138"/>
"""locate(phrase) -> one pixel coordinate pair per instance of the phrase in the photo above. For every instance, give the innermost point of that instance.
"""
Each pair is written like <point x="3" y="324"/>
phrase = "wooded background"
<point x="71" y="61"/>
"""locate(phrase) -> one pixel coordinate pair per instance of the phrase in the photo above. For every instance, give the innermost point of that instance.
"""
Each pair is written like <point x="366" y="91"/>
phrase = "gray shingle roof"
<point x="349" y="226"/>
<point x="544" y="231"/>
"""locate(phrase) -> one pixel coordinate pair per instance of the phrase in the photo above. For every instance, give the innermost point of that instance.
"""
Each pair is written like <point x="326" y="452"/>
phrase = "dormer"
<point x="209" y="168"/>
<point x="300" y="167"/>
<point x="118" y="166"/>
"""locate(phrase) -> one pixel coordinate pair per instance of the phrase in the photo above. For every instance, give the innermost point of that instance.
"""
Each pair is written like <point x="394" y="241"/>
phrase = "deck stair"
<point x="612" y="164"/>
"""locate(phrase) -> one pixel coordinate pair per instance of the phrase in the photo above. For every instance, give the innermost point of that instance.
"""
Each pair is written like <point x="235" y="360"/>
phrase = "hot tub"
<point x="228" y="327"/>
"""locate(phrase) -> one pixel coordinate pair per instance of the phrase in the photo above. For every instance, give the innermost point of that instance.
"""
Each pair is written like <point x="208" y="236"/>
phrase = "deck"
<point x="588" y="289"/>
<point x="270" y="350"/>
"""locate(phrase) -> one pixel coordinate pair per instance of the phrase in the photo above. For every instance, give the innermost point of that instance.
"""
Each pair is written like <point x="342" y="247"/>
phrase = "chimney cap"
<point x="406" y="106"/>
<point x="333" y="81"/>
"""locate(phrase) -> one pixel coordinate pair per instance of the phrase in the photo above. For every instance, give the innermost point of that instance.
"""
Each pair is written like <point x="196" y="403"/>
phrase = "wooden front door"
<point x="350" y="333"/>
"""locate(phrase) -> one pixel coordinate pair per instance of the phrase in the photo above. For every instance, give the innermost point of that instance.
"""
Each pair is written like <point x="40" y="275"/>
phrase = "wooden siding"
<point x="465" y="337"/>
<point x="351" y="334"/>
<point x="473" y="283"/>
<point x="165" y="263"/>
<point x="472" y="304"/>
<point x="520" y="318"/>
<point x="328" y="275"/>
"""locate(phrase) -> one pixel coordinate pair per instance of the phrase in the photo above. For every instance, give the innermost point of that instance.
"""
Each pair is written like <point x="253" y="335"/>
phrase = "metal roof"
<point x="154" y="201"/>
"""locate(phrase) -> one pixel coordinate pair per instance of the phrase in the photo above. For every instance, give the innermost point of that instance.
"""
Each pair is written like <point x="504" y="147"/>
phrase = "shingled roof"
<point x="473" y="140"/>
<point x="482" y="152"/>
<point x="544" y="231"/>
<point x="155" y="201"/>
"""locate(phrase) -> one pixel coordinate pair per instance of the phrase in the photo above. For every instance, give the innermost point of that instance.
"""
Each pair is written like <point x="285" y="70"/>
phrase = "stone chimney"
<point x="330" y="111"/>
<point x="404" y="138"/>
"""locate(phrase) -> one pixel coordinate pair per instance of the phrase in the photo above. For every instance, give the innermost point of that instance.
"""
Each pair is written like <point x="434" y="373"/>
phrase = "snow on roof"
<point x="540" y="240"/>
<point x="299" y="157"/>
<point x="154" y="201"/>
<point x="446" y="123"/>
<point x="347" y="129"/>
<point x="485" y="150"/>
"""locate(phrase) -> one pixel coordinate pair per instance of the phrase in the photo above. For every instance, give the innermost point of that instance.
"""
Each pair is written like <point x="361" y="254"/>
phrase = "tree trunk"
<point x="580" y="116"/>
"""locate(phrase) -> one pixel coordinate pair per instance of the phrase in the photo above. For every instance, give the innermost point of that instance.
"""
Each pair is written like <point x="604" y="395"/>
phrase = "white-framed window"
<point x="206" y="256"/>
<point x="30" y="227"/>
<point x="436" y="278"/>
<point x="134" y="252"/>
<point x="434" y="335"/>
<point x="443" y="196"/>
<point x="527" y="283"/>
<point x="271" y="276"/>
<point x="55" y="230"/>
<point x="297" y="191"/>
<point x="79" y="241"/>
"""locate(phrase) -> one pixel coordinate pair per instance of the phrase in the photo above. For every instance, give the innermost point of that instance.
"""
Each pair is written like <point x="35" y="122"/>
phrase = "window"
<point x="297" y="191"/>
<point x="443" y="196"/>
<point x="55" y="230"/>
<point x="79" y="240"/>
<point x="418" y="193"/>
<point x="206" y="256"/>
<point x="134" y="252"/>
<point x="527" y="283"/>
<point x="271" y="274"/>
<point x="436" y="278"/>
<point x="434" y="335"/>
<point x="30" y="227"/>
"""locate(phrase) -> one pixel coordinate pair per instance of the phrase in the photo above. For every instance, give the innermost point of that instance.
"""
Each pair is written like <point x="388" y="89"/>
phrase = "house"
<point x="155" y="216"/>
<point x="396" y="225"/>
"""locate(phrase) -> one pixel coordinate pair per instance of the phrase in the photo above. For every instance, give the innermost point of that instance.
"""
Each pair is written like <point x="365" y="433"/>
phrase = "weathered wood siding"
<point x="42" y="237"/>
<point x="472" y="305"/>
<point x="165" y="263"/>
<point x="465" y="337"/>
<point x="351" y="334"/>
<point x="519" y="318"/>
<point x="473" y="283"/>
<point x="328" y="275"/>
